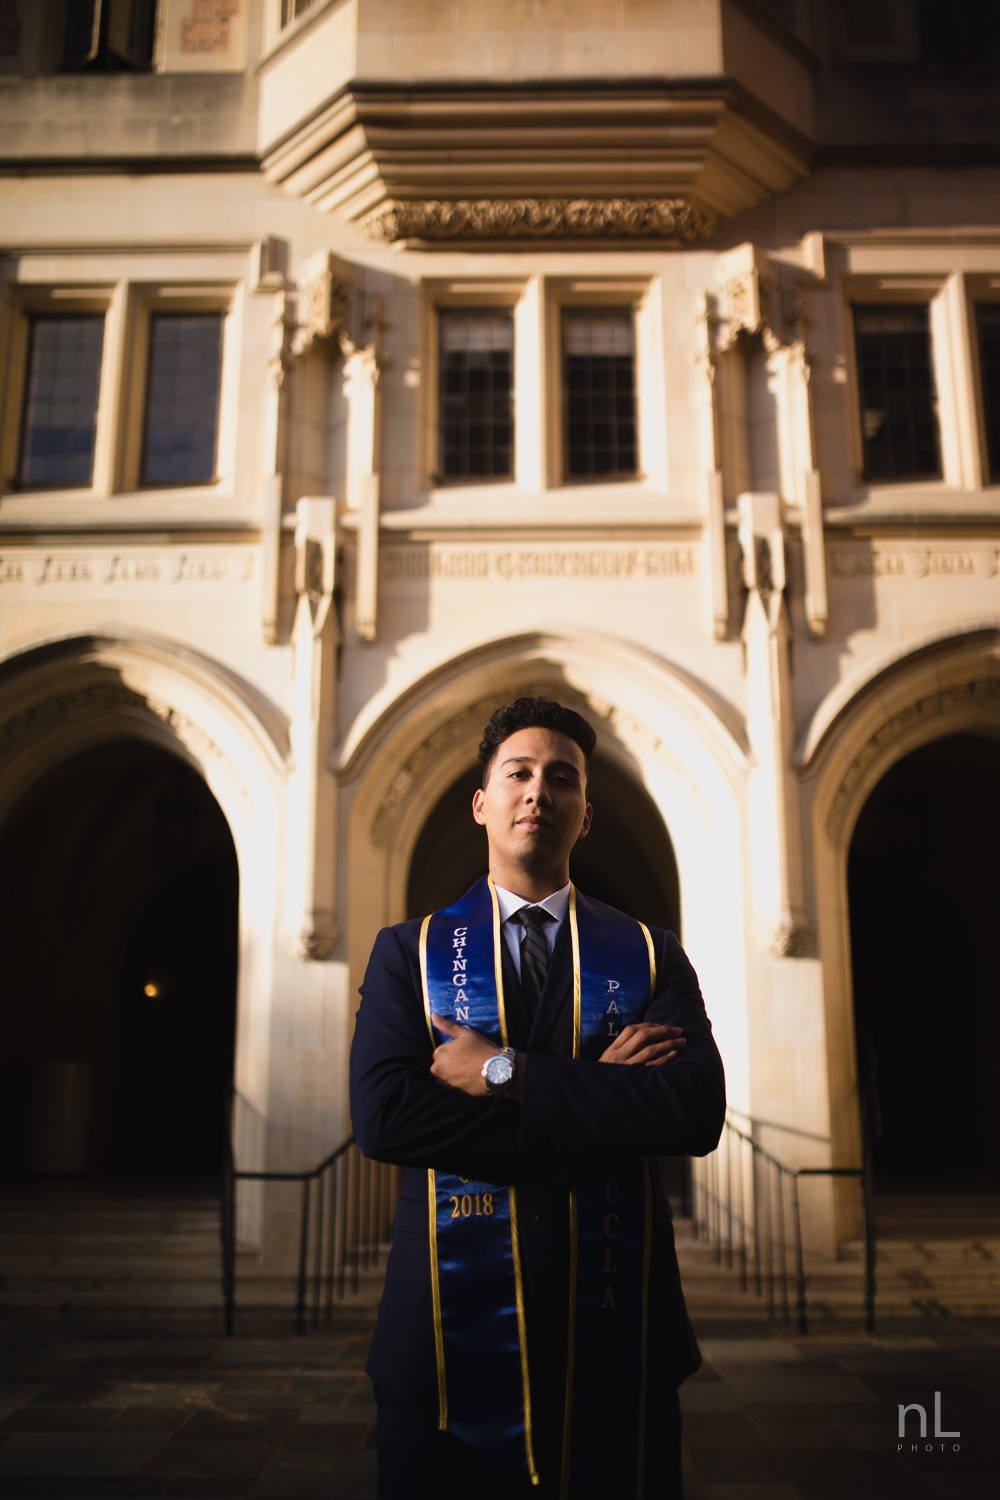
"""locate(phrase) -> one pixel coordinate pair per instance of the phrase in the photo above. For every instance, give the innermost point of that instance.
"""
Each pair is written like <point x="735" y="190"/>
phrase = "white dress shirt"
<point x="556" y="905"/>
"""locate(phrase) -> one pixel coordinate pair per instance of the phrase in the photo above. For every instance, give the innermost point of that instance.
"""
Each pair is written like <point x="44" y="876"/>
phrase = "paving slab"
<point x="178" y="1410"/>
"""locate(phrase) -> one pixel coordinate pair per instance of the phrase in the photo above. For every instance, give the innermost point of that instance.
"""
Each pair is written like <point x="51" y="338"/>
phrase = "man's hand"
<point x="647" y="1043"/>
<point x="459" y="1062"/>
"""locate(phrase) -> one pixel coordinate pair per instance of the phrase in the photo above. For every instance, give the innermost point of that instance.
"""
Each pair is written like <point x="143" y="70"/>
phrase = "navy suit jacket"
<point x="571" y="1112"/>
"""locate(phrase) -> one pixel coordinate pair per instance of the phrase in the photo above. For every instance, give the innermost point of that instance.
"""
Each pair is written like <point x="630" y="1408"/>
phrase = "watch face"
<point x="498" y="1072"/>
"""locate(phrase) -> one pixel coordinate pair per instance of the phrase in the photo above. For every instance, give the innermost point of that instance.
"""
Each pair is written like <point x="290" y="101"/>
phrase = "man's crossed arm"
<point x="458" y="1062"/>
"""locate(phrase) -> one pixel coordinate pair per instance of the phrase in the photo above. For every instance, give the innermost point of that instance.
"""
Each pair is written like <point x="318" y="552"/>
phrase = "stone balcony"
<point x="463" y="122"/>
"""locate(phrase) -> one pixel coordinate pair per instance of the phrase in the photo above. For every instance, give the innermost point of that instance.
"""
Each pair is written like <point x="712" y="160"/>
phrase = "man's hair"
<point x="532" y="713"/>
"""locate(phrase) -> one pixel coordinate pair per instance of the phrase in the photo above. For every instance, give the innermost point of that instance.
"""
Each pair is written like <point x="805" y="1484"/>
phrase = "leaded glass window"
<point x="899" y="426"/>
<point x="182" y="398"/>
<point x="599" y="429"/>
<point x="59" y="424"/>
<point x="475" y="393"/>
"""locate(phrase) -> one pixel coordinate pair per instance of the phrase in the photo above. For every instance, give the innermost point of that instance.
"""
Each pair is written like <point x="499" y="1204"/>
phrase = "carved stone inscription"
<point x="168" y="567"/>
<point x="915" y="562"/>
<point x="405" y="563"/>
<point x="206" y="29"/>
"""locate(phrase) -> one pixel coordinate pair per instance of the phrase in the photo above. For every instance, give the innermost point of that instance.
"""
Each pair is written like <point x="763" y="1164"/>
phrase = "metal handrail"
<point x="356" y="1199"/>
<point x="759" y="1237"/>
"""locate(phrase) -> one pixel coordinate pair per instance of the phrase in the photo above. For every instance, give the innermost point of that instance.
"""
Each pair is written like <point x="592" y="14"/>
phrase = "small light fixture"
<point x="152" y="990"/>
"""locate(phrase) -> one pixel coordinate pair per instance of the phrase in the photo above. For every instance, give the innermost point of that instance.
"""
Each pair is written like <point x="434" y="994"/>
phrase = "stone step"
<point x="913" y="1251"/>
<point x="115" y="1247"/>
<point x="256" y="1290"/>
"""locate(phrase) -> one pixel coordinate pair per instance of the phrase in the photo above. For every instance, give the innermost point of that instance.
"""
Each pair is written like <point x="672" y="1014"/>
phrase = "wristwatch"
<point x="498" y="1071"/>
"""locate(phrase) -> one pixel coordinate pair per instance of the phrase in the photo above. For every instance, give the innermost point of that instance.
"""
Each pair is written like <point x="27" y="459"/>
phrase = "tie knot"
<point x="533" y="918"/>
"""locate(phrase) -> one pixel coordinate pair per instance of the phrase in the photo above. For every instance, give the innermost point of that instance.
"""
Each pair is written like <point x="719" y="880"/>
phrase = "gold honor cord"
<point x="436" y="1293"/>
<point x="423" y="976"/>
<point x="432" y="1212"/>
<point x="570" y="1349"/>
<point x="574" y="932"/>
<point x="522" y="1331"/>
<point x="497" y="963"/>
<point x="515" y="1243"/>
<point x="652" y="959"/>
<point x="647" y="1253"/>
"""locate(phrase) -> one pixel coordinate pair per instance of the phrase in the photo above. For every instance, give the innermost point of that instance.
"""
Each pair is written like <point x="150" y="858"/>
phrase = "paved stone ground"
<point x="126" y="1409"/>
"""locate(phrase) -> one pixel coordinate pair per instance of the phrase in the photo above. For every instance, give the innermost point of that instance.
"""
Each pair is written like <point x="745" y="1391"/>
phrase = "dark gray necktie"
<point x="534" y="953"/>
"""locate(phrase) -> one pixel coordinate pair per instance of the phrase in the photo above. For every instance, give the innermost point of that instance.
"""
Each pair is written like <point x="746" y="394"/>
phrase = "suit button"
<point x="532" y="1216"/>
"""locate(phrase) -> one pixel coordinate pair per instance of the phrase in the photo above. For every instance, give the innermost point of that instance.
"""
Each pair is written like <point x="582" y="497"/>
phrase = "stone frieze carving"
<point x="670" y="219"/>
<point x="316" y="942"/>
<point x="81" y="704"/>
<point x="785" y="940"/>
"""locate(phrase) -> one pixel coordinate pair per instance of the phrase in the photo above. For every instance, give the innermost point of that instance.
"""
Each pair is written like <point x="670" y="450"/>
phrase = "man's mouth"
<point x="533" y="822"/>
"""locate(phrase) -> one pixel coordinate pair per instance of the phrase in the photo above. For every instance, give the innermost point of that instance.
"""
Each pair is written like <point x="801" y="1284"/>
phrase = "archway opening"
<point x="626" y="859"/>
<point x="924" y="890"/>
<point x="119" y="909"/>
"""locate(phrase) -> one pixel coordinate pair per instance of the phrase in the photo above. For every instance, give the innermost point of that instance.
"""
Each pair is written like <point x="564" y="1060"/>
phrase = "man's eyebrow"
<point x="530" y="760"/>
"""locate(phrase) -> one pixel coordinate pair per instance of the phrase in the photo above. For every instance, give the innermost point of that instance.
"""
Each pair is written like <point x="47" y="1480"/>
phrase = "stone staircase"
<point x="936" y="1257"/>
<point x="147" y="1251"/>
<point x="152" y="1252"/>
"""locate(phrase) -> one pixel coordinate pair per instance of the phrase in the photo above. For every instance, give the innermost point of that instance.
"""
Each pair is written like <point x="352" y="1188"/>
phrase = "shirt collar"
<point x="556" y="905"/>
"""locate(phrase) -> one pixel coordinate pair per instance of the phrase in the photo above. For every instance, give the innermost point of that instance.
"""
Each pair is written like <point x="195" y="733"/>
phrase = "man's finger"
<point x="450" y="1028"/>
<point x="634" y="1038"/>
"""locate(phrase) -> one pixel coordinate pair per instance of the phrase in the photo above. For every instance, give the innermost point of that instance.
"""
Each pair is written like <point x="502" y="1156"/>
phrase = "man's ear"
<point x="477" y="805"/>
<point x="585" y="825"/>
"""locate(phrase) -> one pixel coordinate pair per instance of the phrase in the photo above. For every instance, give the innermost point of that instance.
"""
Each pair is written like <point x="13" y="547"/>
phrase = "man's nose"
<point x="538" y="790"/>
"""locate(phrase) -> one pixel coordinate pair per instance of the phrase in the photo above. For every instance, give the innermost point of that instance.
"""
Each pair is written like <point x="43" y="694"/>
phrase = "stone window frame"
<point x="440" y="478"/>
<point x="127" y="306"/>
<point x="981" y="290"/>
<point x="640" y="295"/>
<point x="144" y="302"/>
<point x="25" y="303"/>
<point x="536" y="299"/>
<point x="448" y="294"/>
<point x="944" y="297"/>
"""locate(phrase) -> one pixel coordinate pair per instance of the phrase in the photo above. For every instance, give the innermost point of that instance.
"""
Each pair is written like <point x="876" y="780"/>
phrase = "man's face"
<point x="534" y="806"/>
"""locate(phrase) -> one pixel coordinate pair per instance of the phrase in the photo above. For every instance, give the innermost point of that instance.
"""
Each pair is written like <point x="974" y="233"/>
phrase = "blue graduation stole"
<point x="484" y="1389"/>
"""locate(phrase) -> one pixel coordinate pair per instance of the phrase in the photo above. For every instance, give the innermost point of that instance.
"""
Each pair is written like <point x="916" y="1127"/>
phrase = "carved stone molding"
<point x="984" y="690"/>
<point x="79" y="706"/>
<point x="323" y="303"/>
<point x="316" y="942"/>
<point x="786" y="940"/>
<point x="469" y="722"/>
<point x="69" y="707"/>
<point x="672" y="220"/>
<point x="647" y="147"/>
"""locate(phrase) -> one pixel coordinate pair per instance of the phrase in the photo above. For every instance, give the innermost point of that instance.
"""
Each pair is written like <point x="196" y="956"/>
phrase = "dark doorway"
<point x="626" y="859"/>
<point x="924" y="891"/>
<point x="119" y="913"/>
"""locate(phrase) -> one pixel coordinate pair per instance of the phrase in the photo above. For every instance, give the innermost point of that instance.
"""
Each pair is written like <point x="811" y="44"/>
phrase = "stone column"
<point x="312" y="806"/>
<point x="715" y="522"/>
<point x="362" y="367"/>
<point x="773" y="802"/>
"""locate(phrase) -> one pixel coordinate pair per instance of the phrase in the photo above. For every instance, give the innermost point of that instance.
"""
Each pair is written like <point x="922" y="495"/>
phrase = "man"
<point x="523" y="1053"/>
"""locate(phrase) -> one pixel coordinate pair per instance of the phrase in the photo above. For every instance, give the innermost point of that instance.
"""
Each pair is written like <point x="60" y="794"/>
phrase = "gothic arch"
<point x="64" y="695"/>
<point x="652" y="723"/>
<point x="943" y="687"/>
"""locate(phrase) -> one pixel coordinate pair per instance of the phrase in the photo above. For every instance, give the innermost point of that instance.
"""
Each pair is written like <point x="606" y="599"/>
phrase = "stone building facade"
<point x="365" y="363"/>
